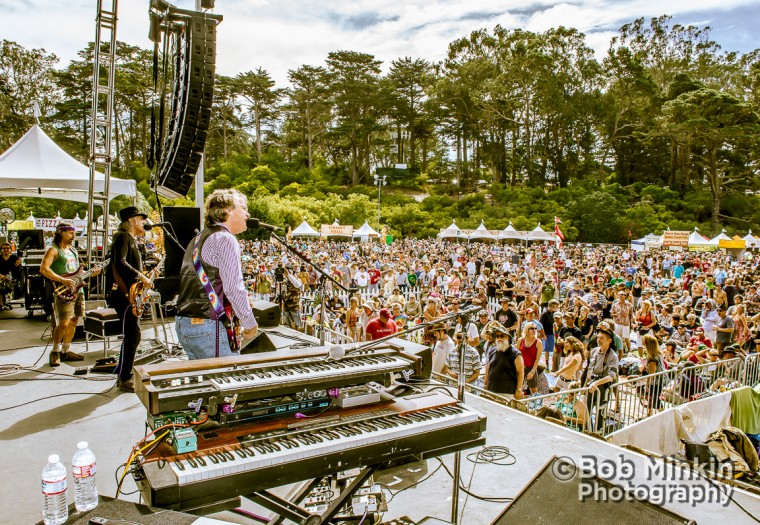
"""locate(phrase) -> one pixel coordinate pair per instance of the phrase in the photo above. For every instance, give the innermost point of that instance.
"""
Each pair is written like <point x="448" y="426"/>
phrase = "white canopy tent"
<point x="366" y="231"/>
<point x="698" y="242"/>
<point x="452" y="232"/>
<point x="509" y="233"/>
<point x="751" y="240"/>
<point x="481" y="233"/>
<point x="304" y="230"/>
<point x="538" y="234"/>
<point x="35" y="166"/>
<point x="721" y="236"/>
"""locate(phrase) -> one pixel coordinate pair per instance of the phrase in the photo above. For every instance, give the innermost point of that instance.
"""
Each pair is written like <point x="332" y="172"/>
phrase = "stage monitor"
<point x="551" y="501"/>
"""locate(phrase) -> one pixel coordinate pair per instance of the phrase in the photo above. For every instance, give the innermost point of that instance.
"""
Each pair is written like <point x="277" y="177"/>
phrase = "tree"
<point x="408" y="80"/>
<point x="722" y="131"/>
<point x="26" y="75"/>
<point x="354" y="81"/>
<point x="257" y="89"/>
<point x="309" y="106"/>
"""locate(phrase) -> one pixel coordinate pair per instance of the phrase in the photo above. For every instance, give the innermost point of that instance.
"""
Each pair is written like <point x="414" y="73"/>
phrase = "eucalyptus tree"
<point x="308" y="109"/>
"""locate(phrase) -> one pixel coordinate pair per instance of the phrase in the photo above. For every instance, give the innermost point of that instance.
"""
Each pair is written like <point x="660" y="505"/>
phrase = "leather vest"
<point x="193" y="300"/>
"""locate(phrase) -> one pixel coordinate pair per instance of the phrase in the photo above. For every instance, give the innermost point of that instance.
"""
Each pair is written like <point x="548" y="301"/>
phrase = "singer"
<point x="212" y="295"/>
<point x="126" y="268"/>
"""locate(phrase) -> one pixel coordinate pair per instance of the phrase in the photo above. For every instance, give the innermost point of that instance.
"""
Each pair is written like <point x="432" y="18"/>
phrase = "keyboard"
<point x="251" y="457"/>
<point x="168" y="387"/>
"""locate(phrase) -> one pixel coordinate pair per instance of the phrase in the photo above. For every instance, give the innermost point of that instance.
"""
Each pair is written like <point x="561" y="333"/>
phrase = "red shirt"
<point x="374" y="276"/>
<point x="529" y="353"/>
<point x="376" y="329"/>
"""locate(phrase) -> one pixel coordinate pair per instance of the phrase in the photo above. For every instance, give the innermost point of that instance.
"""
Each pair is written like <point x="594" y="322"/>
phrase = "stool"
<point x="101" y="322"/>
<point x="154" y="300"/>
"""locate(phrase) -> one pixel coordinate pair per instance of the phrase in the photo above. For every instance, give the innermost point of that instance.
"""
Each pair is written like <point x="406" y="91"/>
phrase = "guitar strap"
<point x="216" y="303"/>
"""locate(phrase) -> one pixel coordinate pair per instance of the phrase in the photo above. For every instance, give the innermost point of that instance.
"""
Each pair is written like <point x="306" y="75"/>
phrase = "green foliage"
<point x="663" y="132"/>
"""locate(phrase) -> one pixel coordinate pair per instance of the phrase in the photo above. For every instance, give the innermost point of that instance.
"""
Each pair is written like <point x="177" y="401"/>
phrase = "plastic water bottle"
<point x="83" y="469"/>
<point x="55" y="505"/>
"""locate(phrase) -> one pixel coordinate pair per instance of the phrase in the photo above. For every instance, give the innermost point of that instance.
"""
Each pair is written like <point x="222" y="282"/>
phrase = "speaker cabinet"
<point x="30" y="240"/>
<point x="186" y="222"/>
<point x="546" y="499"/>
<point x="267" y="314"/>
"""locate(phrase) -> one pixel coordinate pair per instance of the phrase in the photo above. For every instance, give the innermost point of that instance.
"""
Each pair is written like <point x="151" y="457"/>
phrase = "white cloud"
<point x="278" y="35"/>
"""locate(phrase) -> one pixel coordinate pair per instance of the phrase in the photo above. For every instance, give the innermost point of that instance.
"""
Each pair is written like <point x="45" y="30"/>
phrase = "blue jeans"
<point x="197" y="339"/>
<point x="549" y="350"/>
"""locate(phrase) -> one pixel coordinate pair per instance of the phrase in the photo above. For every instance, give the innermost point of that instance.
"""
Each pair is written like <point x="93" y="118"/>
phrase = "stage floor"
<point x="49" y="410"/>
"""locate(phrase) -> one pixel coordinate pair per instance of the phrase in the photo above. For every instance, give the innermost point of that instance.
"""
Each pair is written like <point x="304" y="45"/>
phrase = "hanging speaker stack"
<point x="190" y="41"/>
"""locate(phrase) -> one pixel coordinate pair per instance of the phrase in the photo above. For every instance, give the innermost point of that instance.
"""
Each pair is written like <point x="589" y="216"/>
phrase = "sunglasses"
<point x="529" y="329"/>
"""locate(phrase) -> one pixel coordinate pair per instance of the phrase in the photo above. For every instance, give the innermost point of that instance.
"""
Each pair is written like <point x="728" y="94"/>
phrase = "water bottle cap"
<point x="82" y="445"/>
<point x="53" y="458"/>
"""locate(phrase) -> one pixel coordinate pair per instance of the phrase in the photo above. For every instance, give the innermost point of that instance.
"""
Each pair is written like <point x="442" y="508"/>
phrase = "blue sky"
<point x="278" y="35"/>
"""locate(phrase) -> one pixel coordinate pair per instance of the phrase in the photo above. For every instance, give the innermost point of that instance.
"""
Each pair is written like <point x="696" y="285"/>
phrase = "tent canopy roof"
<point x="35" y="166"/>
<point x="304" y="230"/>
<point x="481" y="232"/>
<point x="366" y="231"/>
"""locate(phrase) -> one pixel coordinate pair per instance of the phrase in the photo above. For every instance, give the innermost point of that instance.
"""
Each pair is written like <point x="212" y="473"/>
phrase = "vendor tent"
<point x="481" y="233"/>
<point x="304" y="230"/>
<point x="751" y="240"/>
<point x="698" y="242"/>
<point x="366" y="231"/>
<point x="509" y="233"/>
<point x="537" y="234"/>
<point x="452" y="232"/>
<point x="35" y="166"/>
<point x="720" y="237"/>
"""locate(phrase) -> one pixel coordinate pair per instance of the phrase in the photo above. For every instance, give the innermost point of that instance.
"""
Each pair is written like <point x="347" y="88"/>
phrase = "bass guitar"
<point x="138" y="292"/>
<point x="67" y="294"/>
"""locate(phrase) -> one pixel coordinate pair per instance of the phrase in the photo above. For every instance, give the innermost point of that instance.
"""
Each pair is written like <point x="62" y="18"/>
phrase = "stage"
<point x="74" y="408"/>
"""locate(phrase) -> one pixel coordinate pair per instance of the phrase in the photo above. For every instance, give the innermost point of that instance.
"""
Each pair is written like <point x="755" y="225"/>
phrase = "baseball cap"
<point x="384" y="312"/>
<point x="530" y="310"/>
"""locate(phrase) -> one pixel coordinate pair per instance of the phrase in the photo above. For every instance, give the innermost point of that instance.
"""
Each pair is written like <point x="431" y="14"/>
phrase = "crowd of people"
<point x="550" y="318"/>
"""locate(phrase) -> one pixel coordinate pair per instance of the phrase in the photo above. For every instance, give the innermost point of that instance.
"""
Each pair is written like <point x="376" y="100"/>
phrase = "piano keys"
<point x="231" y="462"/>
<point x="170" y="387"/>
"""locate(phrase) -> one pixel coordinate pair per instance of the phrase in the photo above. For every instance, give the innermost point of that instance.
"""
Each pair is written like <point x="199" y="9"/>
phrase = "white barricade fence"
<point x="751" y="370"/>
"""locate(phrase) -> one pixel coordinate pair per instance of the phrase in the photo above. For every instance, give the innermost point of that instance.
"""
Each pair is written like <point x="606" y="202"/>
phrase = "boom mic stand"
<point x="323" y="277"/>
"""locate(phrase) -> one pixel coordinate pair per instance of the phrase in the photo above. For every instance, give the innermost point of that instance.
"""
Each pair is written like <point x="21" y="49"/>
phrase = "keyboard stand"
<point x="291" y="510"/>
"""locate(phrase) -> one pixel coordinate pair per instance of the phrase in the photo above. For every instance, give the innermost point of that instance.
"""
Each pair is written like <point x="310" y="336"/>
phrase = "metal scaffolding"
<point x="101" y="133"/>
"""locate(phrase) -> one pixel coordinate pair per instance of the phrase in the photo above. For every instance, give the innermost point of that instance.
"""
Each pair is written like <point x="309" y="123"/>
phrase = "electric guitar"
<point x="138" y="292"/>
<point x="67" y="294"/>
<point x="232" y="325"/>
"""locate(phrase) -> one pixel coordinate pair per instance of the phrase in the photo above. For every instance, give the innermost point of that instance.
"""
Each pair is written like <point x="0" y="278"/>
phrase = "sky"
<point x="278" y="35"/>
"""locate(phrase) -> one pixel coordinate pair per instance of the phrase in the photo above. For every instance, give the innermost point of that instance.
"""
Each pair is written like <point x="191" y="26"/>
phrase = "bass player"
<point x="211" y="289"/>
<point x="127" y="269"/>
<point x="60" y="260"/>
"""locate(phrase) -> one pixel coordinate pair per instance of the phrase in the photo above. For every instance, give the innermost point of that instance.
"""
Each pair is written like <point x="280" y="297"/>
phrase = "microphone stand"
<point x="460" y="395"/>
<point x="323" y="277"/>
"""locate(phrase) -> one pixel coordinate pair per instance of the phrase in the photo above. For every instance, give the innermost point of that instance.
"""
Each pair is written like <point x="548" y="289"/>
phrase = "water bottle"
<point x="83" y="469"/>
<point x="55" y="506"/>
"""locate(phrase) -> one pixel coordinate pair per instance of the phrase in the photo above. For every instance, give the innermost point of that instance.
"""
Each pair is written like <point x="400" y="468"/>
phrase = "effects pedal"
<point x="81" y="370"/>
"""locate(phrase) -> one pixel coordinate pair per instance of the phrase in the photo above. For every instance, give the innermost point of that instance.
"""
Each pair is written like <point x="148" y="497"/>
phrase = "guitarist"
<point x="126" y="269"/>
<point x="201" y="330"/>
<point x="9" y="265"/>
<point x="59" y="259"/>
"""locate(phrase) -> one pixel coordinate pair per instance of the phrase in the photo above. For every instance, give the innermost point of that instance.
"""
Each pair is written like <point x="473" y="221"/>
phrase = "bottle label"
<point x="53" y="487"/>
<point x="84" y="471"/>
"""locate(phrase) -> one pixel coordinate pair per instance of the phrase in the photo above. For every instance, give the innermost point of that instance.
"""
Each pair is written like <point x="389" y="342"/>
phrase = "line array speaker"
<point x="194" y="63"/>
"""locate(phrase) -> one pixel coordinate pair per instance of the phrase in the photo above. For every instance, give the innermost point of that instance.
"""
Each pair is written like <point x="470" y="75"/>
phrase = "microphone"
<point x="336" y="352"/>
<point x="255" y="223"/>
<point x="150" y="225"/>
